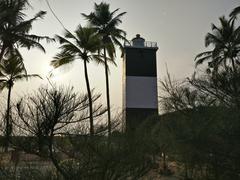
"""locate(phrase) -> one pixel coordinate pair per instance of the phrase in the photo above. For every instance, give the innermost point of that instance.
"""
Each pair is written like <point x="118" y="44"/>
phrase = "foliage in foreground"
<point x="54" y="127"/>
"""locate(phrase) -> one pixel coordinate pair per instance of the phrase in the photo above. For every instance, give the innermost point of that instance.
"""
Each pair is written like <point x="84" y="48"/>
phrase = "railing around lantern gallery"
<point x="148" y="44"/>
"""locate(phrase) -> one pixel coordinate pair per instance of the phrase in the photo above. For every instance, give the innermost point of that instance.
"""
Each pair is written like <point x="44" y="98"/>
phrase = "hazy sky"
<point x="178" y="26"/>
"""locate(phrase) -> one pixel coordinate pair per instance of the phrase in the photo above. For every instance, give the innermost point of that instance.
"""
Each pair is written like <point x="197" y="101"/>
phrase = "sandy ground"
<point x="6" y="158"/>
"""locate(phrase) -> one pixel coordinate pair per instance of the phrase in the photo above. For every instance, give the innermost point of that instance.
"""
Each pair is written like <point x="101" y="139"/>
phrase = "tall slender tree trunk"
<point x="54" y="160"/>
<point x="235" y="82"/>
<point x="107" y="92"/>
<point x="8" y="131"/>
<point x="89" y="98"/>
<point x="164" y="163"/>
<point x="2" y="52"/>
<point x="234" y="67"/>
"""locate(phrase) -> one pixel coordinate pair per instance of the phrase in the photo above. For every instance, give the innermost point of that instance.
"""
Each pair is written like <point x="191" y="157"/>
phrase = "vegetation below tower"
<point x="57" y="133"/>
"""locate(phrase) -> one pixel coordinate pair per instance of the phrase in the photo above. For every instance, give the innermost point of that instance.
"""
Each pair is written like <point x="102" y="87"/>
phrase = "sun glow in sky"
<point x="178" y="26"/>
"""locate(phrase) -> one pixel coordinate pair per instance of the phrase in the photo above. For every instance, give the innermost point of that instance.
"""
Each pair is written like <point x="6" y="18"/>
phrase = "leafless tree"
<point x="49" y="115"/>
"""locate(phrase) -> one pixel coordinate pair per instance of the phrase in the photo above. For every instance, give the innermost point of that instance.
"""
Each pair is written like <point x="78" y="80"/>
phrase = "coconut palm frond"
<point x="12" y="69"/>
<point x="13" y="65"/>
<point x="3" y="84"/>
<point x="203" y="59"/>
<point x="119" y="44"/>
<point x="99" y="59"/>
<point x="26" y="77"/>
<point x="235" y="12"/>
<point x="67" y="44"/>
<point x="225" y="40"/>
<point x="212" y="39"/>
<point x="15" y="29"/>
<point x="62" y="59"/>
<point x="200" y="55"/>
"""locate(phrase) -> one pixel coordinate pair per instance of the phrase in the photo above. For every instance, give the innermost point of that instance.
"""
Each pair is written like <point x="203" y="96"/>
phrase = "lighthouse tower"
<point x="140" y="99"/>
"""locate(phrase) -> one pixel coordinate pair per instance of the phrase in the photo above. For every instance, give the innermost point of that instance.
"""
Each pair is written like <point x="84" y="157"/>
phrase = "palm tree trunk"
<point x="7" y="138"/>
<point x="2" y="52"/>
<point x="89" y="98"/>
<point x="235" y="83"/>
<point x="164" y="163"/>
<point x="54" y="160"/>
<point x="107" y="92"/>
<point x="233" y="65"/>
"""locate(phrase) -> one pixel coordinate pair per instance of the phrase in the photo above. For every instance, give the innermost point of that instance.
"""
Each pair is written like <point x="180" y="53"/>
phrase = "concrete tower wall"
<point x="140" y="98"/>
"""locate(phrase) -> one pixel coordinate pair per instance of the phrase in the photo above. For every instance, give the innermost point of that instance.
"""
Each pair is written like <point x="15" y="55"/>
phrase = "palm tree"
<point x="235" y="12"/>
<point x="14" y="30"/>
<point x="11" y="70"/>
<point x="81" y="45"/>
<point x="106" y="22"/>
<point x="226" y="46"/>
